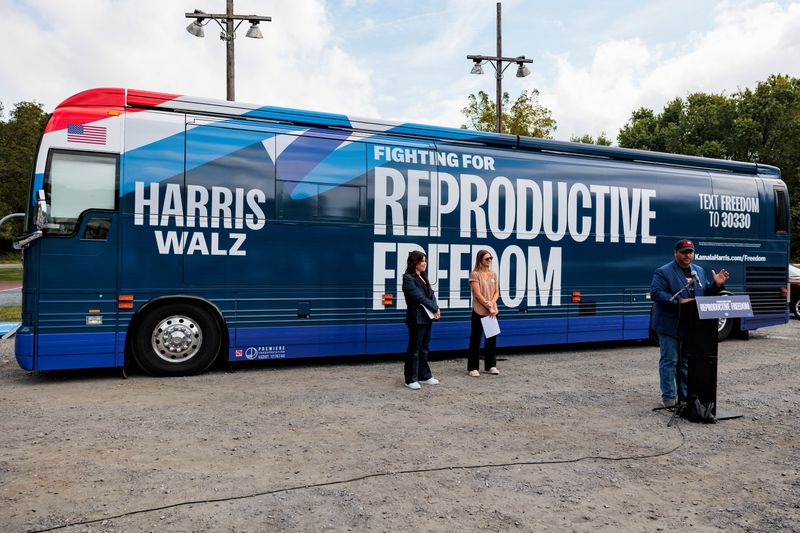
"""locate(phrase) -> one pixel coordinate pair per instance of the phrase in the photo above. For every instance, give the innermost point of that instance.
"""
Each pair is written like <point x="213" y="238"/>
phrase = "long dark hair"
<point x="415" y="257"/>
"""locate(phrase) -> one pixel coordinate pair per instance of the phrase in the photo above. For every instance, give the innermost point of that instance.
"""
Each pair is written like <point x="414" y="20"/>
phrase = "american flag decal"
<point x="80" y="133"/>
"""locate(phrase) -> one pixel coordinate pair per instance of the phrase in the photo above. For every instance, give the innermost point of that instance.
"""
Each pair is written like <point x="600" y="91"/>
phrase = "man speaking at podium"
<point x="677" y="282"/>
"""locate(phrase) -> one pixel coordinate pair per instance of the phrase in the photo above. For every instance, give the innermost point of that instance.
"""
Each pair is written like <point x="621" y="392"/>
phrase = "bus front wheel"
<point x="176" y="340"/>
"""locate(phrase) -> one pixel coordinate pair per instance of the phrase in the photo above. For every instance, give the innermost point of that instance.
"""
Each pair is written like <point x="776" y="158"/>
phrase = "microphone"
<point x="696" y="278"/>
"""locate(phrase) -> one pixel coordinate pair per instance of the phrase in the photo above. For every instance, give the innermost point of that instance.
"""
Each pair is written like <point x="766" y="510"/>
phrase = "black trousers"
<point x="416" y="367"/>
<point x="489" y="355"/>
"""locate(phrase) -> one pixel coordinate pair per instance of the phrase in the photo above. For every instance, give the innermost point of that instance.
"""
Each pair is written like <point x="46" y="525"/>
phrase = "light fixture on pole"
<point x="477" y="68"/>
<point x="497" y="62"/>
<point x="228" y="34"/>
<point x="254" y="32"/>
<point x="196" y="27"/>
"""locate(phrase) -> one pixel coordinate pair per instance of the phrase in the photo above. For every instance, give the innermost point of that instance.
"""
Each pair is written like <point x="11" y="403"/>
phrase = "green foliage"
<point x="524" y="117"/>
<point x="760" y="125"/>
<point x="601" y="140"/>
<point x="18" y="138"/>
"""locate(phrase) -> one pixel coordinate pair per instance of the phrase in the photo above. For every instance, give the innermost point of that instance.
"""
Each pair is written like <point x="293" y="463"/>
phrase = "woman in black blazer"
<point x="419" y="296"/>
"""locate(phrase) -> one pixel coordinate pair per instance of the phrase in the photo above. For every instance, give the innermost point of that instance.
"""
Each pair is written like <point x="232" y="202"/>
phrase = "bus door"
<point x="77" y="308"/>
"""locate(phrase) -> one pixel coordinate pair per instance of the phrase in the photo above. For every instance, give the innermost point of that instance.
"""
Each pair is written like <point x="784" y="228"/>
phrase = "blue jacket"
<point x="417" y="294"/>
<point x="667" y="280"/>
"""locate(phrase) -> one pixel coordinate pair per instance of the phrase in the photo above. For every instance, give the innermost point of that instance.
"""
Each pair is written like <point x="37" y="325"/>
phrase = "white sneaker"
<point x="414" y="385"/>
<point x="432" y="381"/>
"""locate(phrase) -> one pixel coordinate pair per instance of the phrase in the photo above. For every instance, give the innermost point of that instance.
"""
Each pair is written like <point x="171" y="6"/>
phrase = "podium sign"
<point x="724" y="307"/>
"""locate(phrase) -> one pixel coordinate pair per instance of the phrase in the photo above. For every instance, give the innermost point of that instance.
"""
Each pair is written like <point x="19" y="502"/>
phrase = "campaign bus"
<point x="176" y="231"/>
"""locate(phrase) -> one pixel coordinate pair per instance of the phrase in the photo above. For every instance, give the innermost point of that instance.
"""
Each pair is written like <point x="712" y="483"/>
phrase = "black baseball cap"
<point x="684" y="245"/>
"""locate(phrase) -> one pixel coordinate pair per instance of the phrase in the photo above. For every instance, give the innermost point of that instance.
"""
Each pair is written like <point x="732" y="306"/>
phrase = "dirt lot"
<point x="564" y="439"/>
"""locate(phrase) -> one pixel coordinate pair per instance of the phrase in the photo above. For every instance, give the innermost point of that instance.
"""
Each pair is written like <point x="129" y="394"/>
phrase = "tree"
<point x="760" y="125"/>
<point x="601" y="140"/>
<point x="19" y="136"/>
<point x="524" y="117"/>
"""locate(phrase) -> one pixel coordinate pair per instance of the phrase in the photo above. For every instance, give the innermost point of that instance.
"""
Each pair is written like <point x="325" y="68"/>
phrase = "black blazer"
<point x="417" y="294"/>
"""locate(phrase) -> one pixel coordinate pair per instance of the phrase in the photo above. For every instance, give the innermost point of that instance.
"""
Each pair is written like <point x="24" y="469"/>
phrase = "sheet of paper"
<point x="490" y="326"/>
<point x="430" y="314"/>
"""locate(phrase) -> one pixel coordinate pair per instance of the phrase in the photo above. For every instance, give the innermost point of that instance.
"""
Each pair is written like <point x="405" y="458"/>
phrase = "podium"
<point x="701" y="318"/>
<point x="701" y="348"/>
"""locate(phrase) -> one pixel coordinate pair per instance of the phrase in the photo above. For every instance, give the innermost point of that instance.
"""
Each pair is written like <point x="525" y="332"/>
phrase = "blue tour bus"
<point x="174" y="230"/>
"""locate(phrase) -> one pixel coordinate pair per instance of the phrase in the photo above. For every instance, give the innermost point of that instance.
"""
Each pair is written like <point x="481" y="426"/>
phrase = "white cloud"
<point x="411" y="66"/>
<point x="142" y="43"/>
<point x="595" y="97"/>
<point x="747" y="43"/>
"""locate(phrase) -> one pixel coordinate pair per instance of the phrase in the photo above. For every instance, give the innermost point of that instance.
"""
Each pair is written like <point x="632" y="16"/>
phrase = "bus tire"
<point x="176" y="339"/>
<point x="724" y="328"/>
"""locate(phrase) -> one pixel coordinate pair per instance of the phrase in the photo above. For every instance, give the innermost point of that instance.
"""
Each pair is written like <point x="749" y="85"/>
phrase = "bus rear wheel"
<point x="724" y="328"/>
<point x="176" y="340"/>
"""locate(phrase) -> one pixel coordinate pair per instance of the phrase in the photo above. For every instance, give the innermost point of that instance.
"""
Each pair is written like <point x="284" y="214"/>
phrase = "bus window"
<point x="97" y="229"/>
<point x="341" y="203"/>
<point x="322" y="178"/>
<point x="781" y="212"/>
<point x="75" y="182"/>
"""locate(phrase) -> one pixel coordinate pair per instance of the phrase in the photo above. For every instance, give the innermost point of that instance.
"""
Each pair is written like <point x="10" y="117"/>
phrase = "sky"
<point x="594" y="63"/>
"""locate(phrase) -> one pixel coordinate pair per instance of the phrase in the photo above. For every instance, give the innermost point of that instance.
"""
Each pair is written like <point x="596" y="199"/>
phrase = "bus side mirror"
<point x="40" y="220"/>
<point x="41" y="210"/>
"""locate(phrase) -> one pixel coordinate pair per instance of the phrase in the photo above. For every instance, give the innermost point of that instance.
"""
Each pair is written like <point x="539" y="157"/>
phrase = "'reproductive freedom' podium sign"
<point x="724" y="306"/>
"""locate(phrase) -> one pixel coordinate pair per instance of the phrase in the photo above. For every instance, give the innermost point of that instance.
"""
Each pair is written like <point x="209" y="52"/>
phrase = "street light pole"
<point x="499" y="75"/>
<point x="228" y="34"/>
<point x="497" y="62"/>
<point x="229" y="56"/>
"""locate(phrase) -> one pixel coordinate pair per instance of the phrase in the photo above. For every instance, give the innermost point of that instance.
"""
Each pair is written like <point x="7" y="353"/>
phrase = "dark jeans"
<point x="489" y="355"/>
<point x="674" y="356"/>
<point x="416" y="367"/>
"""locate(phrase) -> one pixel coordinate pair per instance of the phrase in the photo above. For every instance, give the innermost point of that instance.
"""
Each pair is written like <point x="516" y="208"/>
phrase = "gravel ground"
<point x="564" y="439"/>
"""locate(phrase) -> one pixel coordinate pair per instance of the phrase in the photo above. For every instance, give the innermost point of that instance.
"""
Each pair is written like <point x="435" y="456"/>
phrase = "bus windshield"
<point x="76" y="182"/>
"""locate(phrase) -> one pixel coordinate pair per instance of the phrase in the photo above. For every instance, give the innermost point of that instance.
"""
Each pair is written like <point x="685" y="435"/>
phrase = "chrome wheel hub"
<point x="177" y="339"/>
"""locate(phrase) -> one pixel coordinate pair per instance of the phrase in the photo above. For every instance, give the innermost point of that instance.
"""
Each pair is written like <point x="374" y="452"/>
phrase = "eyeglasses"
<point x="687" y="252"/>
<point x="488" y="258"/>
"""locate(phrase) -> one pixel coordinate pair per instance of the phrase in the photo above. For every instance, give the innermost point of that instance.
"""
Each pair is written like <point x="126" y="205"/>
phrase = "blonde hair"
<point x="479" y="258"/>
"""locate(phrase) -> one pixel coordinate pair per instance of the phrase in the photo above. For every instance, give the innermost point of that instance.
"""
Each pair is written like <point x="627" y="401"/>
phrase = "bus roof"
<point x="134" y="98"/>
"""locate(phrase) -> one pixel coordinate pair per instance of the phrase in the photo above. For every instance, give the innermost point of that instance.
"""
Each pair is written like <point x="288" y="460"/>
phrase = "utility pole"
<point x="497" y="62"/>
<point x="228" y="34"/>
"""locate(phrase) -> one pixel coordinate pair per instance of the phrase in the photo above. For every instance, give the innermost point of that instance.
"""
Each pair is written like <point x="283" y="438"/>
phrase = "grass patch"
<point x="12" y="313"/>
<point x="11" y="274"/>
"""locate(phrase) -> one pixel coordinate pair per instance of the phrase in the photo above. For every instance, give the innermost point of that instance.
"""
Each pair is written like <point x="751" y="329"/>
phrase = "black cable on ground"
<point x="369" y="476"/>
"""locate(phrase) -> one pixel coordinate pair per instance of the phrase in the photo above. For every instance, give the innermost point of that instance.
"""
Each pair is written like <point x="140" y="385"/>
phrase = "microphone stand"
<point x="689" y="284"/>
